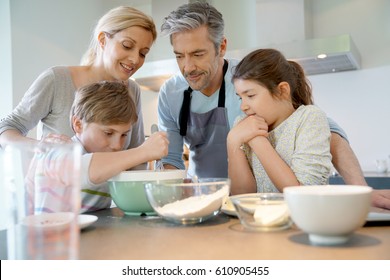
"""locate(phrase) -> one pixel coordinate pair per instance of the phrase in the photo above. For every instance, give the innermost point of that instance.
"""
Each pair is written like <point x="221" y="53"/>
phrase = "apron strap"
<point x="222" y="95"/>
<point x="185" y="111"/>
<point x="185" y="107"/>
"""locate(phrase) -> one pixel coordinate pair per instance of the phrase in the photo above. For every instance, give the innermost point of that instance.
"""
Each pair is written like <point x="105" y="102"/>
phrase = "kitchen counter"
<point x="117" y="236"/>
<point x="373" y="174"/>
<point x="374" y="179"/>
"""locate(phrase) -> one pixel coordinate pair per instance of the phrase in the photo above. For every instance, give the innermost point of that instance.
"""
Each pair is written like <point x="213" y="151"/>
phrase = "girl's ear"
<point x="284" y="90"/>
<point x="77" y="125"/>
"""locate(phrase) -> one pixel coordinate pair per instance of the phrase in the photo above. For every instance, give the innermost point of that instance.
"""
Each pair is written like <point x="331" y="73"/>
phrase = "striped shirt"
<point x="93" y="196"/>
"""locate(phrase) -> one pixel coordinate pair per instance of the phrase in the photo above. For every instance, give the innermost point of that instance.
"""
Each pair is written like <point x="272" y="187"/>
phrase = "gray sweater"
<point x="48" y="102"/>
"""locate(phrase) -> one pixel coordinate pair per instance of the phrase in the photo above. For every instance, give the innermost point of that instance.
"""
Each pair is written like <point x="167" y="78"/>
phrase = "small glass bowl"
<point x="262" y="211"/>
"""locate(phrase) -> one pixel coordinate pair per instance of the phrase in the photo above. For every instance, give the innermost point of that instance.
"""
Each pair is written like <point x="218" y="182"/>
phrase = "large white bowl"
<point x="328" y="213"/>
<point x="127" y="189"/>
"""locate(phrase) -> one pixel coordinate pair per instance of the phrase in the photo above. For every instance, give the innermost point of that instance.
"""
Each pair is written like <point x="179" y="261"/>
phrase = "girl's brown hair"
<point x="269" y="68"/>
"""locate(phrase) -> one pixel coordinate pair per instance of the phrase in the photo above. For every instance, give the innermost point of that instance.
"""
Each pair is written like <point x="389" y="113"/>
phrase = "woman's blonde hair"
<point x="115" y="21"/>
<point x="104" y="103"/>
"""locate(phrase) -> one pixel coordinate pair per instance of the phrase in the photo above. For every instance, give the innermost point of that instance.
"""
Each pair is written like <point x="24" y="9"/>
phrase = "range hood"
<point x="326" y="55"/>
<point x="316" y="56"/>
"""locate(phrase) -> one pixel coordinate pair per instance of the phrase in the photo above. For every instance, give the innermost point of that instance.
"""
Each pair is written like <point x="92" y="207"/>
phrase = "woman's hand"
<point x="56" y="139"/>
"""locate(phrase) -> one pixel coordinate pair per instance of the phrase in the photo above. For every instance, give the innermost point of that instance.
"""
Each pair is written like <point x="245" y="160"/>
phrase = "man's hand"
<point x="381" y="199"/>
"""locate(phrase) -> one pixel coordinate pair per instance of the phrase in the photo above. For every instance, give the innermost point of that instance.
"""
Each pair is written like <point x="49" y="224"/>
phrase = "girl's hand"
<point x="247" y="129"/>
<point x="156" y="145"/>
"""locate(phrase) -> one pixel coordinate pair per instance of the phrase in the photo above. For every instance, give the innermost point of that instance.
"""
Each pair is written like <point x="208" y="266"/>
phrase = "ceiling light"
<point x="322" y="56"/>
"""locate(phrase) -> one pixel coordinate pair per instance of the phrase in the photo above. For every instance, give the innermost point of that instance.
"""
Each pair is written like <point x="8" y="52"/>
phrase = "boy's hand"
<point x="157" y="145"/>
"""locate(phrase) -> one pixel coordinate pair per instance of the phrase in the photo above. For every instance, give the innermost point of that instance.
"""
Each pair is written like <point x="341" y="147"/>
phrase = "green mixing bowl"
<point x="128" y="188"/>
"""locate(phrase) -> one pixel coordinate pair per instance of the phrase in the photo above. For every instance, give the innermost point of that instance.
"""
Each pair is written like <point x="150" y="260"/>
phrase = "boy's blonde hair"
<point x="104" y="103"/>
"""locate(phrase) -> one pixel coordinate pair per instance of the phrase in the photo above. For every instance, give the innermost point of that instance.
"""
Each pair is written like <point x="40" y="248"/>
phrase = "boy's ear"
<point x="284" y="90"/>
<point x="77" y="124"/>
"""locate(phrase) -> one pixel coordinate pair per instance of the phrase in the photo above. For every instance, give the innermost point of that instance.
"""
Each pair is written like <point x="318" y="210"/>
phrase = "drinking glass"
<point x="42" y="200"/>
<point x="381" y="165"/>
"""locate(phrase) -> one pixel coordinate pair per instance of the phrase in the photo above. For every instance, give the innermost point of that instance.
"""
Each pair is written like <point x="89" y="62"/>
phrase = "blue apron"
<point x="205" y="134"/>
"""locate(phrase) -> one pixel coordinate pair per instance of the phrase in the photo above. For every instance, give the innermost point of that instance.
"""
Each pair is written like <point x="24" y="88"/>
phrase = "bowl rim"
<point x="249" y="197"/>
<point x="259" y="194"/>
<point x="202" y="181"/>
<point x="327" y="190"/>
<point x="149" y="175"/>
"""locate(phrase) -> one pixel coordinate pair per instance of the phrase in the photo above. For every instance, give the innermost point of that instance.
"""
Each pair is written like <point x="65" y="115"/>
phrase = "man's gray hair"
<point x="194" y="15"/>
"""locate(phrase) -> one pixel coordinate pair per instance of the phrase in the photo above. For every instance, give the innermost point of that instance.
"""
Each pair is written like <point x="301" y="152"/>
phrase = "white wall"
<point x="358" y="100"/>
<point x="5" y="59"/>
<point x="46" y="33"/>
<point x="367" y="21"/>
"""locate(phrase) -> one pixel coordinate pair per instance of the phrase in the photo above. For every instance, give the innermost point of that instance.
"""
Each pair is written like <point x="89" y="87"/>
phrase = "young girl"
<point x="283" y="140"/>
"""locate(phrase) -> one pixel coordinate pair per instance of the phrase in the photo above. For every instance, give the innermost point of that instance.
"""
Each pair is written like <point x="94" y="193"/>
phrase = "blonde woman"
<point x="120" y="42"/>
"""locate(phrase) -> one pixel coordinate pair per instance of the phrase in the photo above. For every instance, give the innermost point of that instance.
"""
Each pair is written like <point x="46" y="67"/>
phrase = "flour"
<point x="195" y="206"/>
<point x="271" y="214"/>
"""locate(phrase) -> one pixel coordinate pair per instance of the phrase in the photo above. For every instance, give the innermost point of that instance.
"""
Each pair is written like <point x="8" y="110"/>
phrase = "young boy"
<point x="102" y="115"/>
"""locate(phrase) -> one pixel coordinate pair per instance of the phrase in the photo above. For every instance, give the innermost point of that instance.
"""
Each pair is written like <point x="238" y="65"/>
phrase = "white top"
<point x="303" y="142"/>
